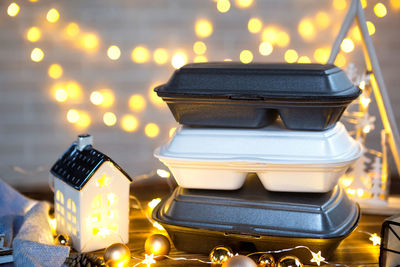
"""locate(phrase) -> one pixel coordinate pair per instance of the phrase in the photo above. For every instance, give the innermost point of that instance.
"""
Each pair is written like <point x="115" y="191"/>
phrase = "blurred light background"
<point x="71" y="66"/>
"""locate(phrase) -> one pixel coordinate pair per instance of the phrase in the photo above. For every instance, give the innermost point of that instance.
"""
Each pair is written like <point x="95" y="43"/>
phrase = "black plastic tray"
<point x="229" y="94"/>
<point x="253" y="219"/>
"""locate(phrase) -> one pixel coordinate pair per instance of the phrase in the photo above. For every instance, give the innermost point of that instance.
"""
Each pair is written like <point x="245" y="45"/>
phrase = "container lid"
<point x="271" y="144"/>
<point x="254" y="211"/>
<point x="260" y="81"/>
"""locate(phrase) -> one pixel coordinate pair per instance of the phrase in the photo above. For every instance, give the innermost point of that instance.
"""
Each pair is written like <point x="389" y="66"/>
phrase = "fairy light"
<point x="364" y="3"/>
<point x="203" y="28"/>
<point x="158" y="226"/>
<point x="151" y="130"/>
<point x="140" y="54"/>
<point x="244" y="3"/>
<point x="199" y="59"/>
<point x="72" y="29"/>
<point x="306" y="29"/>
<point x="291" y="56"/>
<point x="321" y="55"/>
<point x="199" y="48"/>
<point x="163" y="173"/>
<point x="317" y="258"/>
<point x="346" y="181"/>
<point x="73" y="116"/>
<point x="371" y="28"/>
<point x="84" y="120"/>
<point x="347" y="45"/>
<point x="283" y="39"/>
<point x="360" y="192"/>
<point x="60" y="94"/>
<point x="395" y="4"/>
<point x="304" y="59"/>
<point x="380" y="10"/>
<point x="254" y="25"/>
<point x="137" y="102"/>
<point x="37" y="55"/>
<point x="339" y="4"/>
<point x="223" y="6"/>
<point x="160" y="56"/>
<point x="109" y="119"/>
<point x="129" y="123"/>
<point x="13" y="9"/>
<point x="270" y="34"/>
<point x="265" y="48"/>
<point x="355" y="33"/>
<point x="113" y="52"/>
<point x="246" y="56"/>
<point x="90" y="42"/>
<point x="323" y="20"/>
<point x="365" y="101"/>
<point x="340" y="60"/>
<point x="149" y="259"/>
<point x="153" y="203"/>
<point x="55" y="71"/>
<point x="33" y="34"/>
<point x="53" y="15"/>
<point x="362" y="85"/>
<point x="53" y="225"/>
<point x="366" y="129"/>
<point x="74" y="90"/>
<point x="376" y="240"/>
<point x="96" y="98"/>
<point x="179" y="59"/>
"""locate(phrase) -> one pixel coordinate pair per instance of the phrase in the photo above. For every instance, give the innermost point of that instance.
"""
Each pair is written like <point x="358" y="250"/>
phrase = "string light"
<point x="60" y="94"/>
<point x="254" y="25"/>
<point x="365" y="101"/>
<point x="306" y="29"/>
<point x="380" y="10"/>
<point x="37" y="55"/>
<point x="347" y="45"/>
<point x="364" y="3"/>
<point x="13" y="9"/>
<point x="243" y="3"/>
<point x="73" y="115"/>
<point x="340" y="61"/>
<point x="129" y="123"/>
<point x="84" y="120"/>
<point x="33" y="34"/>
<point x="113" y="52"/>
<point x="178" y="60"/>
<point x="304" y="59"/>
<point x="151" y="130"/>
<point x="227" y="59"/>
<point x="321" y="55"/>
<point x="199" y="47"/>
<point x="74" y="90"/>
<point x="109" y="119"/>
<point x="149" y="260"/>
<point x="291" y="56"/>
<point x="283" y="39"/>
<point x="265" y="48"/>
<point x="223" y="6"/>
<point x="270" y="34"/>
<point x="140" y="54"/>
<point x="55" y="71"/>
<point x="376" y="240"/>
<point x="339" y="4"/>
<point x="53" y="15"/>
<point x="137" y="102"/>
<point x="199" y="59"/>
<point x="371" y="28"/>
<point x="317" y="258"/>
<point x="160" y="56"/>
<point x="72" y="29"/>
<point x="203" y="28"/>
<point x="355" y="33"/>
<point x="96" y="98"/>
<point x="246" y="56"/>
<point x="90" y="42"/>
<point x="323" y="20"/>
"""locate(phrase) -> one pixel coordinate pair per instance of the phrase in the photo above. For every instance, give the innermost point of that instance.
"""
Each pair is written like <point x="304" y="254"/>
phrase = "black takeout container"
<point x="254" y="219"/>
<point x="230" y="94"/>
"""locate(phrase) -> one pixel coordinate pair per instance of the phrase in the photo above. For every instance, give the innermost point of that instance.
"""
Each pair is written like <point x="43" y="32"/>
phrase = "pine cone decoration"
<point x="84" y="260"/>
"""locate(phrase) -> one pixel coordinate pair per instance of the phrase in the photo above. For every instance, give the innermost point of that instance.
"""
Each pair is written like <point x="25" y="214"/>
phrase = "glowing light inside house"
<point x="304" y="59"/>
<point x="151" y="130"/>
<point x="179" y="59"/>
<point x="321" y="55"/>
<point x="53" y="15"/>
<point x="199" y="48"/>
<point x="265" y="48"/>
<point x="283" y="39"/>
<point x="137" y="102"/>
<point x="55" y="71"/>
<point x="347" y="45"/>
<point x="140" y="54"/>
<point x="323" y="20"/>
<point x="73" y="115"/>
<point x="306" y="29"/>
<point x="244" y="3"/>
<point x="113" y="52"/>
<point x="33" y="34"/>
<point x="254" y="25"/>
<point x="37" y="55"/>
<point x="291" y="56"/>
<point x="270" y="34"/>
<point x="339" y="4"/>
<point x="109" y="119"/>
<point x="163" y="173"/>
<point x="129" y="123"/>
<point x="103" y="181"/>
<point x="160" y="56"/>
<point x="380" y="10"/>
<point x="13" y="9"/>
<point x="203" y="28"/>
<point x="199" y="59"/>
<point x="371" y="28"/>
<point x="223" y="6"/>
<point x="72" y="29"/>
<point x="111" y="199"/>
<point x="246" y="56"/>
<point x="90" y="42"/>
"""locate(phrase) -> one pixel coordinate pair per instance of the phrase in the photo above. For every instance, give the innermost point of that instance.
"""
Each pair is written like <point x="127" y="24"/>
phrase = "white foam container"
<point x="285" y="160"/>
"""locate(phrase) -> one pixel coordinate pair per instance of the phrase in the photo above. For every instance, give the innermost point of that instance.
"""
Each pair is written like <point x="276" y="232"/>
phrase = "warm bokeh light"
<point x="306" y="29"/>
<point x="90" y="41"/>
<point x="129" y="123"/>
<point x="113" y="52"/>
<point x="223" y="6"/>
<point x="339" y="4"/>
<point x="304" y="59"/>
<point x="109" y="119"/>
<point x="291" y="56"/>
<point x="244" y="3"/>
<point x="364" y="3"/>
<point x="73" y="116"/>
<point x="33" y="34"/>
<point x="395" y="4"/>
<point x="380" y="10"/>
<point x="270" y="34"/>
<point x="246" y="56"/>
<point x="371" y="28"/>
<point x="355" y="33"/>
<point x="74" y="90"/>
<point x="107" y="98"/>
<point x="203" y="28"/>
<point x="96" y="98"/>
<point x="179" y="59"/>
<point x="137" y="102"/>
<point x="283" y="39"/>
<point x="364" y="101"/>
<point x="227" y="59"/>
<point x="323" y="20"/>
<point x="340" y="61"/>
<point x="171" y="131"/>
<point x="321" y="55"/>
<point x="160" y="56"/>
<point x="13" y="9"/>
<point x="60" y="94"/>
<point x="200" y="59"/>
<point x="199" y="47"/>
<point x="151" y="130"/>
<point x="55" y="71"/>
<point x="154" y="202"/>
<point x="84" y="120"/>
<point x="254" y="25"/>
<point x="347" y="45"/>
<point x="53" y="15"/>
<point x="72" y="29"/>
<point x="37" y="55"/>
<point x="154" y="98"/>
<point x="140" y="54"/>
<point x="265" y="48"/>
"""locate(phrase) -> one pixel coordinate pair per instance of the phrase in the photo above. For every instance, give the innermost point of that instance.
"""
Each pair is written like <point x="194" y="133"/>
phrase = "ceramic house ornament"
<point x="91" y="197"/>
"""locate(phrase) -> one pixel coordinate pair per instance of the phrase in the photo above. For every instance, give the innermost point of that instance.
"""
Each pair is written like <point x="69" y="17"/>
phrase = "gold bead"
<point x="220" y="254"/>
<point x="158" y="245"/>
<point x="62" y="240"/>
<point x="117" y="254"/>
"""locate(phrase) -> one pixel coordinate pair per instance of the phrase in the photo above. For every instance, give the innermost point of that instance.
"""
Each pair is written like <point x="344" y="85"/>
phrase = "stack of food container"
<point x="230" y="131"/>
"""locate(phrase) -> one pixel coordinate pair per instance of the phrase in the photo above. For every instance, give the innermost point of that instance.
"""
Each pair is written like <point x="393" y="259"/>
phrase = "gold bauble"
<point x="158" y="245"/>
<point x="239" y="261"/>
<point x="117" y="254"/>
<point x="289" y="261"/>
<point x="220" y="254"/>
<point x="62" y="240"/>
<point x="266" y="260"/>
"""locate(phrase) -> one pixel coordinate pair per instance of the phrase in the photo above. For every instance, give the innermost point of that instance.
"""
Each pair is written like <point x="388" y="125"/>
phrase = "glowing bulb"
<point x="140" y="54"/>
<point x="360" y="192"/>
<point x="55" y="71"/>
<point x="60" y="95"/>
<point x="321" y="55"/>
<point x="362" y="85"/>
<point x="339" y="4"/>
<point x="304" y="59"/>
<point x="160" y="56"/>
<point x="113" y="52"/>
<point x="199" y="59"/>
<point x="129" y="123"/>
<point x="13" y="9"/>
<point x="246" y="56"/>
<point x="74" y="90"/>
<point x="291" y="56"/>
<point x="243" y="3"/>
<point x="347" y="45"/>
<point x="163" y="173"/>
<point x="323" y="20"/>
<point x="53" y="15"/>
<point x="254" y="25"/>
<point x="270" y="34"/>
<point x="364" y="3"/>
<point x="355" y="33"/>
<point x="203" y="28"/>
<point x="153" y="203"/>
<point x="72" y="29"/>
<point x="37" y="55"/>
<point x="371" y="28"/>
<point x="380" y="10"/>
<point x="346" y="181"/>
<point x="109" y="119"/>
<point x="317" y="258"/>
<point x="96" y="98"/>
<point x="178" y="60"/>
<point x="84" y="120"/>
<point x="350" y="191"/>
<point x="283" y="39"/>
<point x="306" y="29"/>
<point x="90" y="41"/>
<point x="365" y="101"/>
<point x="137" y="102"/>
<point x="149" y="259"/>
<point x="223" y="6"/>
<point x="376" y="240"/>
<point x="151" y="130"/>
<point x="73" y="116"/>
<point x="367" y="129"/>
<point x="33" y="34"/>
<point x="265" y="48"/>
<point x="199" y="48"/>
